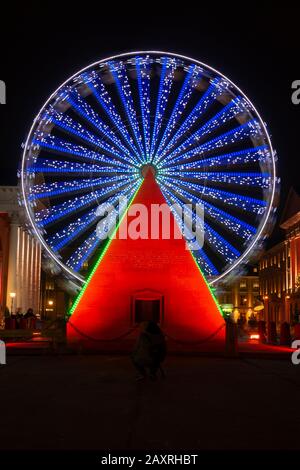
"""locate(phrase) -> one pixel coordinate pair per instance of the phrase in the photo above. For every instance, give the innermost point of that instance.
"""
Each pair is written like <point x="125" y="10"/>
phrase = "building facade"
<point x="241" y="297"/>
<point x="279" y="268"/>
<point x="20" y="258"/>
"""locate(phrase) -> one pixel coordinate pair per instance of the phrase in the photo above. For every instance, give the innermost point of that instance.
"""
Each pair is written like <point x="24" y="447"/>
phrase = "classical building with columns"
<point x="20" y="258"/>
<point x="279" y="268"/>
<point x="241" y="296"/>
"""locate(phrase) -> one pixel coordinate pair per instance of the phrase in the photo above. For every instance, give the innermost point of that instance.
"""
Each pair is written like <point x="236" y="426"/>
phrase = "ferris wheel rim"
<point x="271" y="199"/>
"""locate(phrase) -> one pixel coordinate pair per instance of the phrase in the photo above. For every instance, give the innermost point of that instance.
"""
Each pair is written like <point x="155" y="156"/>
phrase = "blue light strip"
<point x="59" y="166"/>
<point x="143" y="78"/>
<point x="118" y="72"/>
<point x="215" y="240"/>
<point x="261" y="180"/>
<point x="206" y="266"/>
<point x="40" y="191"/>
<point x="244" y="131"/>
<point x="192" y="78"/>
<point x="88" y="113"/>
<point x="245" y="203"/>
<point x="240" y="157"/>
<point x="51" y="142"/>
<point x="216" y="88"/>
<point x="68" y="124"/>
<point x="203" y="260"/>
<point x="165" y="85"/>
<point x="95" y="84"/>
<point x="231" y="223"/>
<point x="88" y="247"/>
<point x="59" y="211"/>
<point x="235" y="107"/>
<point x="63" y="237"/>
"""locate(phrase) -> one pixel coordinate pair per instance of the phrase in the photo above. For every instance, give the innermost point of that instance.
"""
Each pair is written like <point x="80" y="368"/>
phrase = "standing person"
<point x="19" y="317"/>
<point x="149" y="351"/>
<point x="31" y="318"/>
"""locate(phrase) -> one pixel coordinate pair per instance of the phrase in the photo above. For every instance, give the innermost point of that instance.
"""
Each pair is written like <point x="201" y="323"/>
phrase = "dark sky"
<point x="258" y="49"/>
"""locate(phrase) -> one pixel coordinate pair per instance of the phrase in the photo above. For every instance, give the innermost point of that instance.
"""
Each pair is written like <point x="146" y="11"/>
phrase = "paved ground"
<point x="93" y="402"/>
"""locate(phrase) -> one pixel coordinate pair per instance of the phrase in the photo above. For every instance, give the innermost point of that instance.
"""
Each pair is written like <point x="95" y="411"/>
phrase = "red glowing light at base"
<point x="254" y="336"/>
<point x="139" y="278"/>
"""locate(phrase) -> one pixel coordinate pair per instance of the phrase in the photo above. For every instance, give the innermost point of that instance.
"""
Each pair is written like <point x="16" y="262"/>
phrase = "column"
<point x="12" y="262"/>
<point x="249" y="296"/>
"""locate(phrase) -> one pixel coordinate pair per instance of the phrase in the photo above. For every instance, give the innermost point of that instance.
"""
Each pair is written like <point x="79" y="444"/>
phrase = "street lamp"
<point x="12" y="296"/>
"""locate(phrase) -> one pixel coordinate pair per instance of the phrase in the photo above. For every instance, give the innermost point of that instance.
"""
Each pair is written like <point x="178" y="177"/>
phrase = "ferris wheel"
<point x="95" y="133"/>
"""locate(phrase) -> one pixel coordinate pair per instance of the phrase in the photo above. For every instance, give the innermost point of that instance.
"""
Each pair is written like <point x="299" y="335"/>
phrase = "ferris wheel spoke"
<point x="88" y="247"/>
<point x="259" y="180"/>
<point x="71" y="231"/>
<point x="118" y="72"/>
<point x="232" y="224"/>
<point x="191" y="79"/>
<point x="53" y="143"/>
<point x="143" y="79"/>
<point x="216" y="88"/>
<point x="216" y="242"/>
<point x="204" y="262"/>
<point x="238" y="158"/>
<point x="71" y="127"/>
<point x="66" y="235"/>
<point x="85" y="111"/>
<point x="59" y="211"/>
<point x="235" y="107"/>
<point x="246" y="203"/>
<point x="166" y="80"/>
<point x="250" y="129"/>
<point x="57" y="188"/>
<point x="66" y="167"/>
<point x="94" y="82"/>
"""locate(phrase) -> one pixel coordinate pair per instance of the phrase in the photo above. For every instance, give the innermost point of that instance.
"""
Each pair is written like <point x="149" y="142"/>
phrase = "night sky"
<point x="258" y="49"/>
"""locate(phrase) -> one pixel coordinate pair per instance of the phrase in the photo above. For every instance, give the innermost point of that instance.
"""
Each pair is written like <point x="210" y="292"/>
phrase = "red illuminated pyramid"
<point x="147" y="278"/>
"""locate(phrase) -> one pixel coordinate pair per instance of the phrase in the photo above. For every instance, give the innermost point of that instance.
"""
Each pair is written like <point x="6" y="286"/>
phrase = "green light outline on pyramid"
<point x="101" y="256"/>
